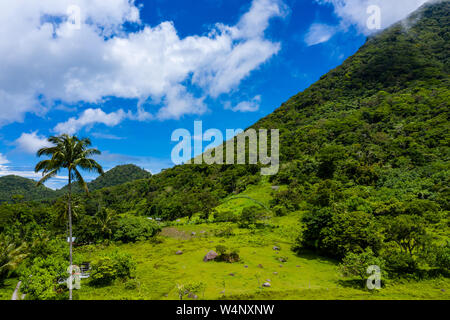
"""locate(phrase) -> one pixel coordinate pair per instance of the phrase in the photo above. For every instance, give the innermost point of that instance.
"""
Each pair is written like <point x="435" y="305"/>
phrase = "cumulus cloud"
<point x="45" y="59"/>
<point x="31" y="142"/>
<point x="246" y="106"/>
<point x="358" y="13"/>
<point x="89" y="117"/>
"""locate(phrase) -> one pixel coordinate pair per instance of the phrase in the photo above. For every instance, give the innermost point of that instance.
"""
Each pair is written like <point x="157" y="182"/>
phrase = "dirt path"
<point x="15" y="295"/>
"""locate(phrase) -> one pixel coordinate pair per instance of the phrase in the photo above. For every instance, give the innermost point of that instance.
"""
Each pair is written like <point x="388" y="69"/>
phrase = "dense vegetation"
<point x="364" y="154"/>
<point x="11" y="186"/>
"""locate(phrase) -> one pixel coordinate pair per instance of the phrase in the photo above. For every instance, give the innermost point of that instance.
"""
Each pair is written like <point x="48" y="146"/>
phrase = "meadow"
<point x="160" y="271"/>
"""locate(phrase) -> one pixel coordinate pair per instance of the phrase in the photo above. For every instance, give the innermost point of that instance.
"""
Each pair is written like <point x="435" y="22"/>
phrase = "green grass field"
<point x="160" y="270"/>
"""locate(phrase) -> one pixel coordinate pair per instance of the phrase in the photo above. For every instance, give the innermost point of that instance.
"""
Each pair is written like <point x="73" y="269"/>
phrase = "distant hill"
<point x="14" y="185"/>
<point x="116" y="176"/>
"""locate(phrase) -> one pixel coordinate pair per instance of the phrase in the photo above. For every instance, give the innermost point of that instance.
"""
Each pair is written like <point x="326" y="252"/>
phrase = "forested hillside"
<point x="11" y="186"/>
<point x="116" y="176"/>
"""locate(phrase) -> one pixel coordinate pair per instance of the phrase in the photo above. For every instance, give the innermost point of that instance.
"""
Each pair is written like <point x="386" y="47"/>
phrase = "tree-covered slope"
<point x="11" y="186"/>
<point x="116" y="176"/>
<point x="379" y="120"/>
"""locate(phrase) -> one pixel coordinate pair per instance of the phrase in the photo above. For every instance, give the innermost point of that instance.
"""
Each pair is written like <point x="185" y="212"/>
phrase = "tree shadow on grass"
<point x="312" y="255"/>
<point x="352" y="283"/>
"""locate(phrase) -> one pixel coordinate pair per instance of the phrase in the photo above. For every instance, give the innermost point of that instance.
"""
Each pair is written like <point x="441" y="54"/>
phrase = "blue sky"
<point x="128" y="73"/>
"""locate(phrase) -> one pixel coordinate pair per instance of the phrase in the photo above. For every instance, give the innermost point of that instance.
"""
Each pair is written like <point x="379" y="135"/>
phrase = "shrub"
<point x="280" y="211"/>
<point x="226" y="255"/>
<point x="225" y="216"/>
<point x="250" y="215"/>
<point x="356" y="264"/>
<point x="103" y="271"/>
<point x="226" y="231"/>
<point x="116" y="265"/>
<point x="132" y="229"/>
<point x="40" y="280"/>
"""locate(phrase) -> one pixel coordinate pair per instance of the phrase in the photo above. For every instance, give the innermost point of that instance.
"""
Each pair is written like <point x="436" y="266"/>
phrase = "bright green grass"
<point x="159" y="270"/>
<point x="7" y="289"/>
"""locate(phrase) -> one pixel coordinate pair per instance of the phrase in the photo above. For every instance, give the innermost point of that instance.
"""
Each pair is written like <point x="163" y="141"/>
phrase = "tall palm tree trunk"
<point x="70" y="233"/>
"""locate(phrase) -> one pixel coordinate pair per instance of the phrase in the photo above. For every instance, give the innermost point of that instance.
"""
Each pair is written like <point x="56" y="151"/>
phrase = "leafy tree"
<point x="70" y="153"/>
<point x="132" y="229"/>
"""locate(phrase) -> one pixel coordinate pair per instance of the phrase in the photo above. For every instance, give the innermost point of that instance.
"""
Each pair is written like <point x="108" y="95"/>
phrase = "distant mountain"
<point x="116" y="176"/>
<point x="13" y="185"/>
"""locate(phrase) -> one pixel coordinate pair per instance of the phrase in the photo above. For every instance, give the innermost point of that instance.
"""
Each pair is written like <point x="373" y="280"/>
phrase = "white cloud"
<point x="319" y="33"/>
<point x="44" y="62"/>
<point x="354" y="12"/>
<point x="246" y="106"/>
<point x="3" y="160"/>
<point x="89" y="117"/>
<point x="31" y="142"/>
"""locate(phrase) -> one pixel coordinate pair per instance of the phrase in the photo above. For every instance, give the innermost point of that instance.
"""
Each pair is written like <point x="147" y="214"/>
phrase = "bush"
<point x="356" y="264"/>
<point x="132" y="229"/>
<point x="226" y="255"/>
<point x="116" y="265"/>
<point x="40" y="280"/>
<point x="226" y="231"/>
<point x="225" y="216"/>
<point x="250" y="215"/>
<point x="280" y="211"/>
<point x="103" y="271"/>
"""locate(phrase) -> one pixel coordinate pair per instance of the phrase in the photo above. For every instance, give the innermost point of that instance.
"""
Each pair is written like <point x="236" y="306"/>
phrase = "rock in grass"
<point x="193" y="233"/>
<point x="276" y="248"/>
<point x="245" y="267"/>
<point x="210" y="256"/>
<point x="260" y="266"/>
<point x="266" y="284"/>
<point x="275" y="273"/>
<point x="231" y="274"/>
<point x="179" y="252"/>
<point x="192" y="296"/>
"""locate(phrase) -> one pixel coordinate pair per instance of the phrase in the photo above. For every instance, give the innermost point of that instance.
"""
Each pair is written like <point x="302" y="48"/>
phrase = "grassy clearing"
<point x="159" y="269"/>
<point x="7" y="289"/>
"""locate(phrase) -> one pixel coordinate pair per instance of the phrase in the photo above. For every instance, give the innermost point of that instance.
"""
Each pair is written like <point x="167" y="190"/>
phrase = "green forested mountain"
<point x="13" y="185"/>
<point x="116" y="176"/>
<point x="17" y="186"/>
<point x="378" y="123"/>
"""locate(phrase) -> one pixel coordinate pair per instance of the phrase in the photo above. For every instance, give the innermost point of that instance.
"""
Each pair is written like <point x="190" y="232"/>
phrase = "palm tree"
<point x="70" y="153"/>
<point x="11" y="255"/>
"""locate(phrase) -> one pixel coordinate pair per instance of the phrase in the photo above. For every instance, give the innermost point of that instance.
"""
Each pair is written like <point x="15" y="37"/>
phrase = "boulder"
<point x="210" y="256"/>
<point x="192" y="296"/>
<point x="276" y="188"/>
<point x="276" y="248"/>
<point x="193" y="233"/>
<point x="179" y="252"/>
<point x="245" y="267"/>
<point x="275" y="273"/>
<point x="266" y="284"/>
